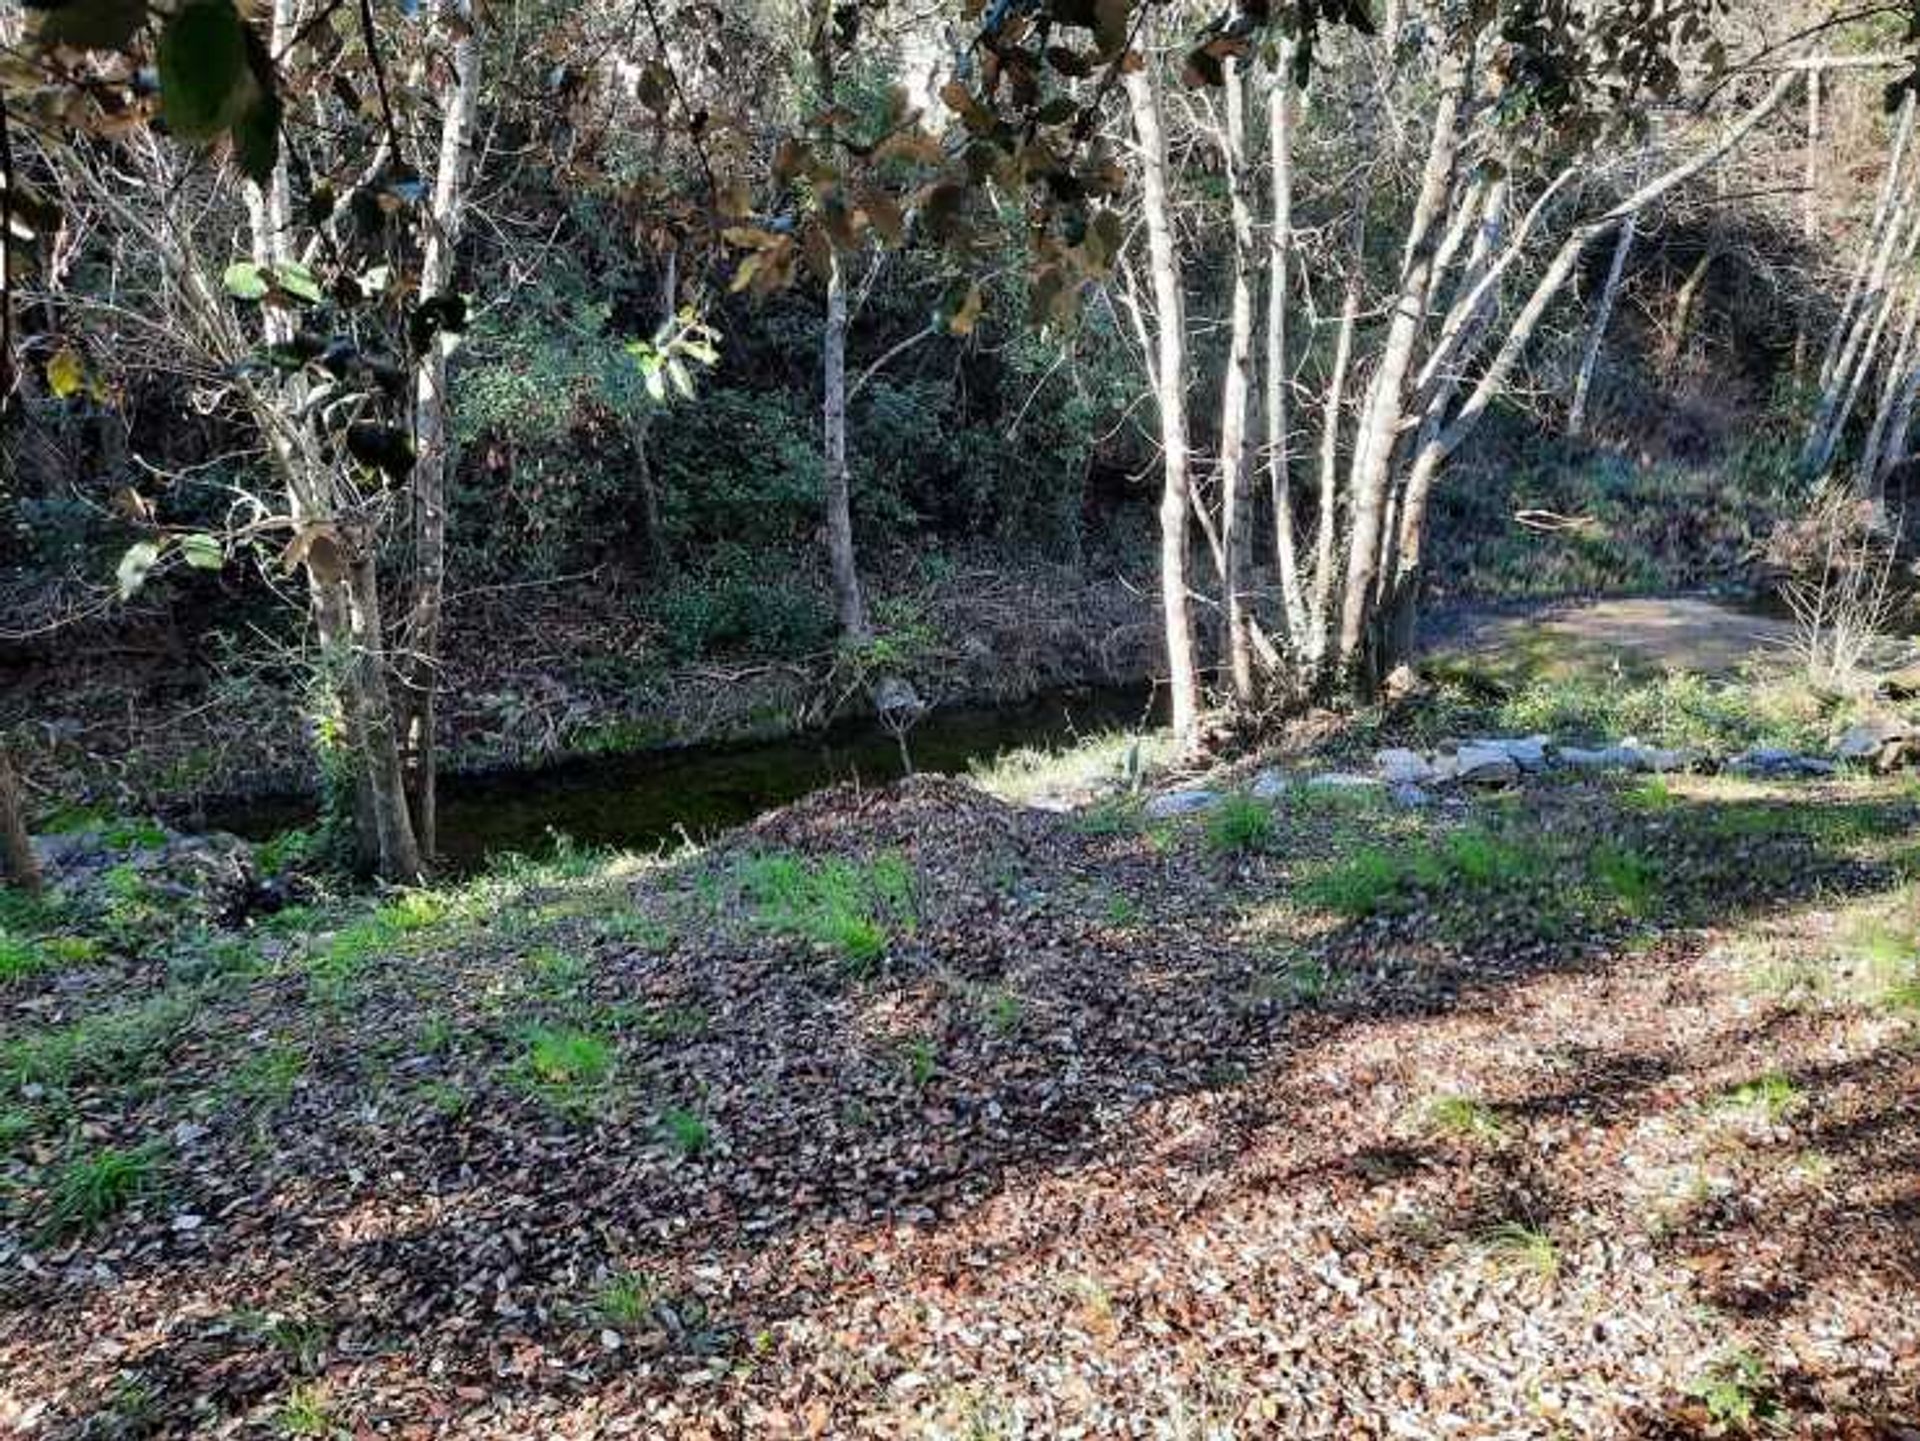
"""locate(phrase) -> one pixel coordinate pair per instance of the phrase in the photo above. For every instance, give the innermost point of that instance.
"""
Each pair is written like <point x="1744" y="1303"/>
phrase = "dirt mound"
<point x="920" y="812"/>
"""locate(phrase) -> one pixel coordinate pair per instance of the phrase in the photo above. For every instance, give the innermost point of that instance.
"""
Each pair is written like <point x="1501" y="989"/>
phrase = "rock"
<point x="895" y="700"/>
<point x="1409" y="796"/>
<point x="1403" y="767"/>
<point x="1657" y="760"/>
<point x="1269" y="786"/>
<point x="1606" y="758"/>
<point x="1527" y="752"/>
<point x="1484" y="765"/>
<point x="1772" y="762"/>
<point x="1342" y="781"/>
<point x="1883" y="742"/>
<point x="1181" y="803"/>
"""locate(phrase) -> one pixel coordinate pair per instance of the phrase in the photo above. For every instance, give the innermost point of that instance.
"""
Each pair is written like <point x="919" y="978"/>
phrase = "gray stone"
<point x="1658" y="760"/>
<point x="1527" y="752"/>
<point x="1484" y="765"/>
<point x="1883" y="742"/>
<point x="1181" y="803"/>
<point x="1343" y="781"/>
<point x="1409" y="795"/>
<point x="1772" y="762"/>
<point x="1606" y="758"/>
<point x="1403" y="767"/>
<point x="1268" y="786"/>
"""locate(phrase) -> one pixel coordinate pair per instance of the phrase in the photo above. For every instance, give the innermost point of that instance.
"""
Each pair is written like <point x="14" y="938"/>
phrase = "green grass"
<point x="265" y="1079"/>
<point x="20" y="957"/>
<point x="846" y="907"/>
<point x="921" y="1061"/>
<point x="1463" y="1117"/>
<point x="1773" y="1095"/>
<point x="557" y="972"/>
<point x="1629" y="878"/>
<point x="1365" y="883"/>
<point x="685" y="1131"/>
<point x="1518" y="1246"/>
<point x="413" y="911"/>
<point x="86" y="1191"/>
<point x="1001" y="1009"/>
<point x="623" y="1300"/>
<point x="1124" y="758"/>
<point x="568" y="1069"/>
<point x="1371" y="880"/>
<point x="307" y="1411"/>
<point x="1239" y="823"/>
<point x="111" y="1047"/>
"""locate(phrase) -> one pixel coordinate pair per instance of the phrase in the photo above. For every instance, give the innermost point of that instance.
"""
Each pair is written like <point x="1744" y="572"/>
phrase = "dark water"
<point x="638" y="801"/>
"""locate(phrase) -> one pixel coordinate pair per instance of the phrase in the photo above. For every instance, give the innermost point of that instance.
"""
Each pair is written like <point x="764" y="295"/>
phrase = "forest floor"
<point x="1589" y="1108"/>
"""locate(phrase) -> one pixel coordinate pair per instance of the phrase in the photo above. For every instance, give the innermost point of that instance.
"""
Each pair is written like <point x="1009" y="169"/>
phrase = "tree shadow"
<point x="448" y="1249"/>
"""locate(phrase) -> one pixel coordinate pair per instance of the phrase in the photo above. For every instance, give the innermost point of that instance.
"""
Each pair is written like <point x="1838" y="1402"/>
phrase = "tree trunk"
<point x="1890" y="187"/>
<point x="1440" y="442"/>
<point x="1171" y="377"/>
<point x="17" y="856"/>
<point x="1380" y="426"/>
<point x="1236" y="451"/>
<point x="1854" y="350"/>
<point x="370" y="698"/>
<point x="1597" y="331"/>
<point x="420" y="676"/>
<point x="1279" y="256"/>
<point x="849" y="604"/>
<point x="1320" y="619"/>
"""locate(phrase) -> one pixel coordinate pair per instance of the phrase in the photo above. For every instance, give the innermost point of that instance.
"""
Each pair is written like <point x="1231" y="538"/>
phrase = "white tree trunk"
<point x="1236" y="452"/>
<point x="1597" y="331"/>
<point x="1171" y="376"/>
<point x="420" y="676"/>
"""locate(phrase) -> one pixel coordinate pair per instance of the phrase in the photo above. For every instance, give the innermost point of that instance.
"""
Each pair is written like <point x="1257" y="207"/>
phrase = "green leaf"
<point x="656" y="384"/>
<point x="297" y="281"/>
<point x="204" y="79"/>
<point x="244" y="280"/>
<point x="202" y="552"/>
<point x="91" y="24"/>
<point x="682" y="382"/>
<point x="141" y="557"/>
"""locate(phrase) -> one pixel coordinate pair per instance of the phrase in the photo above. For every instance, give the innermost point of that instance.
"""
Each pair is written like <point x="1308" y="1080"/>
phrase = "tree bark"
<point x="17" y="855"/>
<point x="1279" y="257"/>
<point x="1890" y="187"/>
<point x="1597" y="331"/>
<point x="1439" y="445"/>
<point x="1380" y="426"/>
<point x="849" y="603"/>
<point x="420" y="676"/>
<point x="1236" y="452"/>
<point x="374" y="726"/>
<point x="1171" y="382"/>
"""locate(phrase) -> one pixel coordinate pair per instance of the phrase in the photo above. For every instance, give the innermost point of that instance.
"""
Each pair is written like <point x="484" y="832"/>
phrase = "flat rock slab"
<point x="1181" y="803"/>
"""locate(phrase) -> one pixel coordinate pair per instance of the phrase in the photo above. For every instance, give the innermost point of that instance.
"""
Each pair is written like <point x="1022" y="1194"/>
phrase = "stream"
<point x="642" y="800"/>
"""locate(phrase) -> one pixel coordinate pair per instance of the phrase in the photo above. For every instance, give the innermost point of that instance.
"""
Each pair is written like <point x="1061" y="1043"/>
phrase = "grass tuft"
<point x="1239" y="823"/>
<point x="1518" y="1246"/>
<point x="1464" y="1117"/>
<point x="849" y="908"/>
<point x="686" y="1132"/>
<point x="89" y="1190"/>
<point x="1773" y="1095"/>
